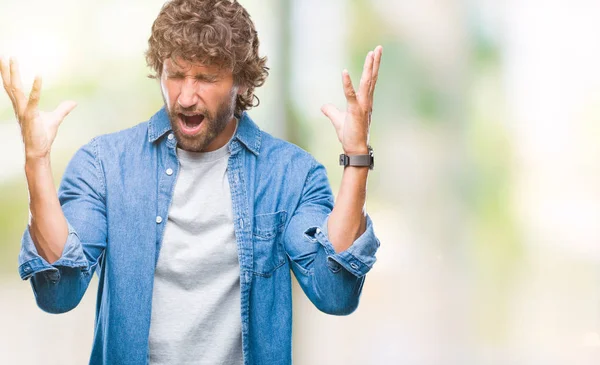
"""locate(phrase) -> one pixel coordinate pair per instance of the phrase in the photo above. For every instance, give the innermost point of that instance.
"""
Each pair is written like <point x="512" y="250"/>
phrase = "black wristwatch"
<point x="358" y="160"/>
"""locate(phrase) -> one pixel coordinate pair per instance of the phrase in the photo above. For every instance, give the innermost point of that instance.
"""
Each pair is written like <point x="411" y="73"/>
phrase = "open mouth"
<point x="190" y="124"/>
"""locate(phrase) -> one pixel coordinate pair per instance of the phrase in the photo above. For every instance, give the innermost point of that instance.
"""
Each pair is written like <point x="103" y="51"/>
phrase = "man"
<point x="193" y="220"/>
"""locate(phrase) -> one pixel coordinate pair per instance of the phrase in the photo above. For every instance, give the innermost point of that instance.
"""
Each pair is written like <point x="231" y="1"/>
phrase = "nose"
<point x="188" y="97"/>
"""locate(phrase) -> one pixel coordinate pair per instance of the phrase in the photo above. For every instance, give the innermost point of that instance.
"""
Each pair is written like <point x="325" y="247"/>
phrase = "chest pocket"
<point x="267" y="244"/>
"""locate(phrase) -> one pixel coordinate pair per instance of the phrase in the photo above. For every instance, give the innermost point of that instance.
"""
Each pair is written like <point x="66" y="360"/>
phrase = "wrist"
<point x="35" y="155"/>
<point x="356" y="150"/>
<point x="34" y="162"/>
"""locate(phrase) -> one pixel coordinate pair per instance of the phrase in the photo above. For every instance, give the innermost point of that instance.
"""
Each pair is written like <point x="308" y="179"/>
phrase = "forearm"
<point x="348" y="218"/>
<point x="330" y="262"/>
<point x="48" y="226"/>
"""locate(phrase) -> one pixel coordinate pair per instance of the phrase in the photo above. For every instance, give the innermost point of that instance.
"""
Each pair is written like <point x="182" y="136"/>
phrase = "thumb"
<point x="64" y="109"/>
<point x="333" y="113"/>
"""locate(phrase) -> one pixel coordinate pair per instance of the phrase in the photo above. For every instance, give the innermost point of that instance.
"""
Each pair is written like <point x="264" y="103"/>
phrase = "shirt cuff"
<point x="357" y="259"/>
<point x="31" y="263"/>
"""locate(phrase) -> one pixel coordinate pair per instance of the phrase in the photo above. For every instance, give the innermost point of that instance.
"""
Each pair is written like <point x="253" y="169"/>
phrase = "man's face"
<point x="200" y="100"/>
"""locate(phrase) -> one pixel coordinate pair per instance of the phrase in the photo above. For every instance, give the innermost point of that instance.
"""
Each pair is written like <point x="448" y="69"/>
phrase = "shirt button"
<point x="354" y="266"/>
<point x="171" y="136"/>
<point x="169" y="172"/>
<point x="159" y="219"/>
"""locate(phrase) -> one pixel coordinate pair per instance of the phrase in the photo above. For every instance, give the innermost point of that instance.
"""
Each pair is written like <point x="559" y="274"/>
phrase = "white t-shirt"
<point x="196" y="314"/>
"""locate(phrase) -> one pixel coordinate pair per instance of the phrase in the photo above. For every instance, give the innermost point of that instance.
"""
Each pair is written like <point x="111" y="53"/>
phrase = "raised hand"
<point x="38" y="128"/>
<point x="352" y="125"/>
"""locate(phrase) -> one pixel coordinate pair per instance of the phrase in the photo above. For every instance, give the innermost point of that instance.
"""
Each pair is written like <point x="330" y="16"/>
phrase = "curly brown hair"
<point x="211" y="32"/>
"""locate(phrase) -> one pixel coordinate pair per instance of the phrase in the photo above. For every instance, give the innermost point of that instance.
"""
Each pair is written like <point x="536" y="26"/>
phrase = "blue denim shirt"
<point x="115" y="194"/>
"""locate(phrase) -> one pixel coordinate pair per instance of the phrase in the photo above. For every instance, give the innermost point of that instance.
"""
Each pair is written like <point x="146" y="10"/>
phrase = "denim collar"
<point x="247" y="131"/>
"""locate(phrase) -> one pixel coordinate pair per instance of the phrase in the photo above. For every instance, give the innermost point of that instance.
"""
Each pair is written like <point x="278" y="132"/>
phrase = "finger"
<point x="64" y="109"/>
<point x="334" y="114"/>
<point x="5" y="72"/>
<point x="348" y="88"/>
<point x="15" y="85"/>
<point x="365" y="79"/>
<point x="376" y="63"/>
<point x="34" y="96"/>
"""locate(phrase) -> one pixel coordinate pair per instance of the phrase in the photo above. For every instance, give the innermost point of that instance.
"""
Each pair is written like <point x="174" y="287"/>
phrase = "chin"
<point x="193" y="144"/>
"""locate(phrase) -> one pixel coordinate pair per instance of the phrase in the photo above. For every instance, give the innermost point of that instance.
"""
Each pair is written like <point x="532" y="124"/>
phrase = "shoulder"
<point x="135" y="135"/>
<point x="109" y="147"/>
<point x="285" y="162"/>
<point x="275" y="149"/>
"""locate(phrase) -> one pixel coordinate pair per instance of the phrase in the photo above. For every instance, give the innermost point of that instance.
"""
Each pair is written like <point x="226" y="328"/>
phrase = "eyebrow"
<point x="174" y="72"/>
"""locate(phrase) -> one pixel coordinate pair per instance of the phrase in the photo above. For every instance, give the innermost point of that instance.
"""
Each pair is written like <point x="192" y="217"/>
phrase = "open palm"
<point x="352" y="125"/>
<point x="38" y="128"/>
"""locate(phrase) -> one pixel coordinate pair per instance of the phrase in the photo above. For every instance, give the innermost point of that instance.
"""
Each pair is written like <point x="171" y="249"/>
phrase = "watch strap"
<point x="357" y="160"/>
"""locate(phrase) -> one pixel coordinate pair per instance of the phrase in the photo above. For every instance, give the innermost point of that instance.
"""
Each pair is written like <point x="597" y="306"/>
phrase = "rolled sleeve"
<point x="59" y="287"/>
<point x="332" y="281"/>
<point x="357" y="259"/>
<point x="31" y="263"/>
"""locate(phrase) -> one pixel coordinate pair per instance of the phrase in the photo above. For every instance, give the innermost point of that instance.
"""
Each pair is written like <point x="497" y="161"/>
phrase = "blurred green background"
<point x="485" y="196"/>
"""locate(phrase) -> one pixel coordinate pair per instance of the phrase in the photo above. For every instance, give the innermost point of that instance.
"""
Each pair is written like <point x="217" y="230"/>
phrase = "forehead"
<point x="181" y="65"/>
